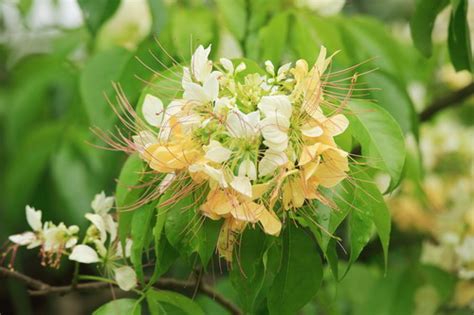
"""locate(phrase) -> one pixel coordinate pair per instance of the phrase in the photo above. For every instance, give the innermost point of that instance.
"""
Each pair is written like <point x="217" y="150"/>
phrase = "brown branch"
<point x="40" y="288"/>
<point x="455" y="98"/>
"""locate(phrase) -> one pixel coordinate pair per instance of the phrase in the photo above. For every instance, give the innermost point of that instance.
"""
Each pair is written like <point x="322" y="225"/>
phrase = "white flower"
<point x="242" y="125"/>
<point x="102" y="204"/>
<point x="84" y="254"/>
<point x="227" y="65"/>
<point x="215" y="174"/>
<point x="201" y="66"/>
<point x="215" y="152"/>
<point x="241" y="67"/>
<point x="126" y="277"/>
<point x="26" y="238"/>
<point x="277" y="110"/>
<point x="208" y="92"/>
<point x="57" y="237"/>
<point x="33" y="217"/>
<point x="465" y="251"/>
<point x="247" y="168"/>
<point x="242" y="185"/>
<point x="143" y="140"/>
<point x="270" y="161"/>
<point x="269" y="67"/>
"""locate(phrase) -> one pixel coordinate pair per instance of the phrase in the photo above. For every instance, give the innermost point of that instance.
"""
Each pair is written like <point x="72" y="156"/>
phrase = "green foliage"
<point x="459" y="37"/>
<point x="120" y="306"/>
<point x="300" y="273"/>
<point x="380" y="137"/>
<point x="97" y="12"/>
<point x="157" y="301"/>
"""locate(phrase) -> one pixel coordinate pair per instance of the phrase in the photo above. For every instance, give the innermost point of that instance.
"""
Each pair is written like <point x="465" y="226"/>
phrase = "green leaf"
<point x="422" y="23"/>
<point x="159" y="13"/>
<point x="96" y="81"/>
<point x="300" y="275"/>
<point x="234" y="15"/>
<point x="380" y="137"/>
<point x="459" y="37"/>
<point x="248" y="272"/>
<point x="393" y="97"/>
<point x="97" y="12"/>
<point x="272" y="47"/>
<point x="155" y="298"/>
<point x="187" y="35"/>
<point x="120" y="306"/>
<point x="29" y="162"/>
<point x="141" y="230"/>
<point x="206" y="239"/>
<point x="180" y="222"/>
<point x="130" y="175"/>
<point x="369" y="209"/>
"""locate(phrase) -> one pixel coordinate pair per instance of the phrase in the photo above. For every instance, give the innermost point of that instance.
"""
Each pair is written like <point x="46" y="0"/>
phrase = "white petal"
<point x="276" y="104"/>
<point x="247" y="168"/>
<point x="312" y="131"/>
<point x="241" y="67"/>
<point x="211" y="86"/>
<point x="110" y="226"/>
<point x="227" y="65"/>
<point x="201" y="67"/>
<point x="126" y="278"/>
<point x="101" y="203"/>
<point x="269" y="67"/>
<point x="195" y="92"/>
<point x="33" y="217"/>
<point x="242" y="185"/>
<point x="99" y="223"/>
<point x="23" y="238"/>
<point x="216" y="152"/>
<point x="166" y="182"/>
<point x="84" y="254"/>
<point x="216" y="174"/>
<point x="143" y="140"/>
<point x="270" y="161"/>
<point x="152" y="110"/>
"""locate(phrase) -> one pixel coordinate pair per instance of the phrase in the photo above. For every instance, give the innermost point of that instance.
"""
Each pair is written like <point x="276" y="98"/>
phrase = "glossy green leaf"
<point x="120" y="306"/>
<point x="183" y="303"/>
<point x="130" y="176"/>
<point x="248" y="274"/>
<point x="97" y="12"/>
<point x="141" y="229"/>
<point x="422" y="22"/>
<point x="380" y="137"/>
<point x="369" y="209"/>
<point x="300" y="274"/>
<point x="459" y="36"/>
<point x="272" y="47"/>
<point x="390" y="94"/>
<point x="234" y="14"/>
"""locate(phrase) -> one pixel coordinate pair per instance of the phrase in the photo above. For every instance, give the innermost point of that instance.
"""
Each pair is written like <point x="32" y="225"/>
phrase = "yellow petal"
<point x="270" y="222"/>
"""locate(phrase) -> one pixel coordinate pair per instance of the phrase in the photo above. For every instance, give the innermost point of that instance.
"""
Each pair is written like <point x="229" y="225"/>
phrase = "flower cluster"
<point x="256" y="142"/>
<point x="100" y="244"/>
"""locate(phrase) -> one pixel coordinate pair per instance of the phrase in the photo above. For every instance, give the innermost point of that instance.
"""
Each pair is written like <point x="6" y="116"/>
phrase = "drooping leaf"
<point x="422" y="22"/>
<point x="156" y="298"/>
<point x="300" y="274"/>
<point x="97" y="12"/>
<point x="459" y="36"/>
<point x="380" y="137"/>
<point x="247" y="275"/>
<point x="120" y="306"/>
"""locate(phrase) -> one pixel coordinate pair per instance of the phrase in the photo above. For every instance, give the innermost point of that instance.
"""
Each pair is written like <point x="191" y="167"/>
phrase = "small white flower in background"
<point x="323" y="7"/>
<point x="102" y="204"/>
<point x="126" y="278"/>
<point x="59" y="237"/>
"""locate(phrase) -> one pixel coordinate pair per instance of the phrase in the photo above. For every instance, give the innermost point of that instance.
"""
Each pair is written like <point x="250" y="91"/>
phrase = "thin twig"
<point x="39" y="288"/>
<point x="453" y="99"/>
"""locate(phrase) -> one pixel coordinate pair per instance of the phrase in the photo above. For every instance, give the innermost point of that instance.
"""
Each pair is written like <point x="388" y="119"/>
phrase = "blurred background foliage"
<point x="58" y="59"/>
